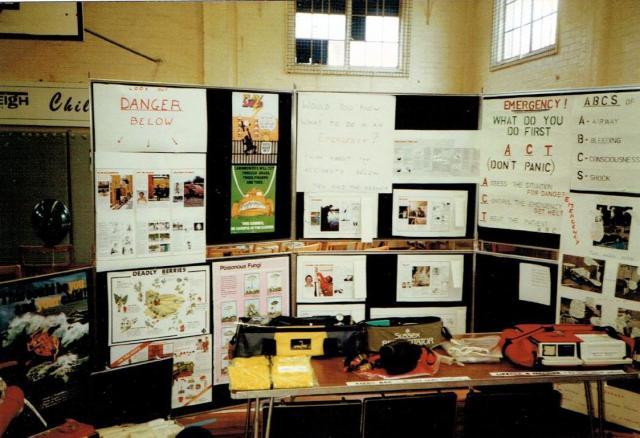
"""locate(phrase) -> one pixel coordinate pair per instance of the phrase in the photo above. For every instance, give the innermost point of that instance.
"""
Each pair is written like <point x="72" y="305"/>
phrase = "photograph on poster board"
<point x="611" y="226"/>
<point x="628" y="322"/>
<point x="254" y="128"/>
<point x="580" y="311"/>
<point x="331" y="279"/>
<point x="158" y="303"/>
<point x="253" y="199"/>
<point x="429" y="213"/>
<point x="256" y="288"/>
<point x="355" y="311"/>
<point x="436" y="156"/>
<point x="144" y="118"/>
<point x="46" y="342"/>
<point x="627" y="279"/>
<point x="336" y="215"/>
<point x="192" y="366"/>
<point x="453" y="318"/>
<point x="429" y="278"/>
<point x="585" y="273"/>
<point x="152" y="214"/>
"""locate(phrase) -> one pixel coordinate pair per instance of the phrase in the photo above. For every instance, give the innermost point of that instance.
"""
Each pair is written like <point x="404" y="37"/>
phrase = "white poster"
<point x="150" y="210"/>
<point x="345" y="142"/>
<point x="355" y="311"/>
<point x="327" y="279"/>
<point x="600" y="253"/>
<point x="252" y="288"/>
<point x="534" y="283"/>
<point x="192" y="366"/>
<point x="454" y="318"/>
<point x="605" y="137"/>
<point x="145" y="118"/>
<point x="436" y="157"/>
<point x="429" y="213"/>
<point x="158" y="303"/>
<point x="525" y="158"/>
<point x="429" y="277"/>
<point x="336" y="215"/>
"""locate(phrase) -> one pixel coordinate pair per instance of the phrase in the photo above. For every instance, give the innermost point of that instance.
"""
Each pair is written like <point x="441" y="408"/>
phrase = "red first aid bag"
<point x="534" y="345"/>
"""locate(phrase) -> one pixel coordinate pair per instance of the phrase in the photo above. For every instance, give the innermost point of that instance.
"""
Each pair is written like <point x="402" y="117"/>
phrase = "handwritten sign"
<point x="141" y="118"/>
<point x="524" y="163"/>
<point x="345" y="142"/>
<point x="605" y="141"/>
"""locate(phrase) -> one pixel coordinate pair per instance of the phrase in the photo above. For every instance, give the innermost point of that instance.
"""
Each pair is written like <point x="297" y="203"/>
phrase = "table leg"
<point x="600" y="387"/>
<point x="247" y="420"/>
<point x="587" y="395"/>
<point x="256" y="420"/>
<point x="270" y="410"/>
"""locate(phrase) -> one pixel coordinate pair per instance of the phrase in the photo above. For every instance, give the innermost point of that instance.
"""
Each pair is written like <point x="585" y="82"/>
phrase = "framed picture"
<point x="41" y="20"/>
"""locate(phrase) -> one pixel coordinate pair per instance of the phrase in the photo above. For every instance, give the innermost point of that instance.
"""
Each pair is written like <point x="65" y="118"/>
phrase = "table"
<point x="332" y="379"/>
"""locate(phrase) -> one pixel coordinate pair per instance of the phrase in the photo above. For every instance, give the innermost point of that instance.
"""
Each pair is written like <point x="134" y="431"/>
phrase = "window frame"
<point x="498" y="37"/>
<point x="402" y="70"/>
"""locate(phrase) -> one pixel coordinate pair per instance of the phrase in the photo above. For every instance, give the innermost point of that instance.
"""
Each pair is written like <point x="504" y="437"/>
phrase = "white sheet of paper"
<point x="131" y="118"/>
<point x="330" y="279"/>
<point x="368" y="218"/>
<point x="454" y="318"/>
<point x="436" y="156"/>
<point x="535" y="284"/>
<point x="422" y="278"/>
<point x="345" y="142"/>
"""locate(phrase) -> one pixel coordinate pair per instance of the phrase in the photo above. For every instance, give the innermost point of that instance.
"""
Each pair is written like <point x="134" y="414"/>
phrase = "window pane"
<point x="525" y="39"/>
<point x="337" y="7"/>
<point x="336" y="53"/>
<point x="320" y="6"/>
<point x="358" y="7"/>
<point x="526" y="11"/>
<point x="337" y="28"/>
<point x="303" y="6"/>
<point x="303" y="51"/>
<point x="391" y="29"/>
<point x="358" y="28"/>
<point x="319" y="52"/>
<point x="303" y="26"/>
<point x="536" y="37"/>
<point x="358" y="53"/>
<point x="538" y="9"/>
<point x="389" y="55"/>
<point x="515" y="45"/>
<point x="392" y="8"/>
<point x="508" y="45"/>
<point x="508" y="17"/>
<point x="374" y="28"/>
<point x="549" y="30"/>
<point x="374" y="54"/>
<point x="517" y="13"/>
<point x="374" y="7"/>
<point x="320" y="26"/>
<point x="550" y="6"/>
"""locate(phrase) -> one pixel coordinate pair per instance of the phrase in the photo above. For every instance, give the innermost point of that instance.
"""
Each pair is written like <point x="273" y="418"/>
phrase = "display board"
<point x="433" y="145"/>
<point x="536" y="148"/>
<point x="249" y="157"/>
<point x="511" y="291"/>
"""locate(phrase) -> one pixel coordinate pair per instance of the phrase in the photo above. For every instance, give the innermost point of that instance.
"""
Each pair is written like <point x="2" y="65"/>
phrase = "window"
<point x="522" y="29"/>
<point x="348" y="36"/>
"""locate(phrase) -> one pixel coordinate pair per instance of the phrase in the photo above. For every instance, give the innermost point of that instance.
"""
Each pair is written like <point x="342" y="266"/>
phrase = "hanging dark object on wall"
<point x="51" y="220"/>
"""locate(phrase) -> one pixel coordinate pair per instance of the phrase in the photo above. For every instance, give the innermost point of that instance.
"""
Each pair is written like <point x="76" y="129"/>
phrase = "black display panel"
<point x="220" y="159"/>
<point x="497" y="305"/>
